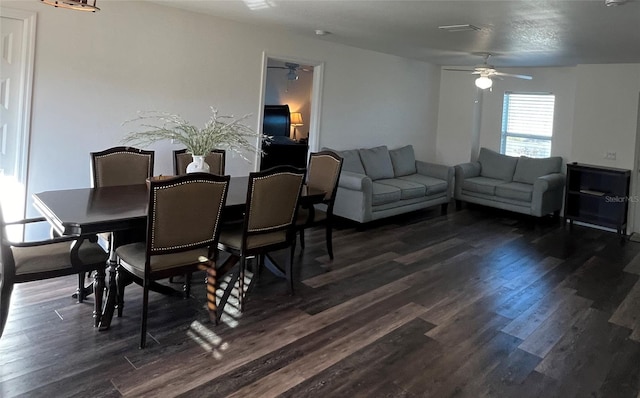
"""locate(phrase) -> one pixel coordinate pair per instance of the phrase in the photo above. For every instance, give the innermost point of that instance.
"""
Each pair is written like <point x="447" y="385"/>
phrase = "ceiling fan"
<point x="487" y="73"/>
<point x="292" y="68"/>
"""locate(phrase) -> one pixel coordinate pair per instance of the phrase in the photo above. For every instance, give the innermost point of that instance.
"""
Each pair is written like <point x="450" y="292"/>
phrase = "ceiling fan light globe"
<point x="483" y="82"/>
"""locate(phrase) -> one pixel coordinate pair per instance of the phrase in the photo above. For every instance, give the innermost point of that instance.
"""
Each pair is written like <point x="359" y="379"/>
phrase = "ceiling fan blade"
<point x="526" y="77"/>
<point x="459" y="70"/>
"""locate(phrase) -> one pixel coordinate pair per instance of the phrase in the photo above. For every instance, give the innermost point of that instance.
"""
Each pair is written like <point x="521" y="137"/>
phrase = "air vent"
<point x="459" y="28"/>
<point x="613" y="3"/>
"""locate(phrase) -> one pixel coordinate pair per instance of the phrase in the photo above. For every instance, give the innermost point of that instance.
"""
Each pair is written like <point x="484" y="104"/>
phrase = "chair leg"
<point x="289" y="269"/>
<point x="187" y="285"/>
<point x="145" y="309"/>
<point x="81" y="292"/>
<point x="210" y="280"/>
<point x="6" y="288"/>
<point x="329" y="237"/>
<point x="120" y="285"/>
<point x="241" y="269"/>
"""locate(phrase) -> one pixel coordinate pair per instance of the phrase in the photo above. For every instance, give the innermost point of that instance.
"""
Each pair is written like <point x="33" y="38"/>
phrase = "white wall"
<point x="606" y="114"/>
<point x="94" y="71"/>
<point x="455" y="118"/>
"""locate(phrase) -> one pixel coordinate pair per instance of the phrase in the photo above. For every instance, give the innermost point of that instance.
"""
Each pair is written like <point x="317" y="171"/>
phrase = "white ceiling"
<point x="518" y="33"/>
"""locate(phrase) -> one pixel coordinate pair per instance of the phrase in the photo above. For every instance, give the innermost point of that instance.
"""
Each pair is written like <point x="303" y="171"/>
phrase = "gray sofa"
<point x="524" y="185"/>
<point x="377" y="183"/>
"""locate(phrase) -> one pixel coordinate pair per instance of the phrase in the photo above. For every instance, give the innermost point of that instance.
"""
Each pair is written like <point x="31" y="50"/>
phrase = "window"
<point x="527" y="124"/>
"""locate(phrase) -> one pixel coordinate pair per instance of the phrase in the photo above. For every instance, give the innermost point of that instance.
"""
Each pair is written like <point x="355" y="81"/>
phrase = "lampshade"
<point x="296" y="119"/>
<point x="79" y="5"/>
<point x="484" y="82"/>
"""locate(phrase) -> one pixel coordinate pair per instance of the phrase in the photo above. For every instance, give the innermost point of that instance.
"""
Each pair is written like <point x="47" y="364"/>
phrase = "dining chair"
<point x="181" y="159"/>
<point x="323" y="174"/>
<point x="215" y="159"/>
<point x="36" y="260"/>
<point x="268" y="225"/>
<point x="182" y="233"/>
<point x="120" y="166"/>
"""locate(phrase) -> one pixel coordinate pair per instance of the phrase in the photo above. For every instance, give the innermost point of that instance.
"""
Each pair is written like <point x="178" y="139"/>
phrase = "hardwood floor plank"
<point x="601" y="281"/>
<point x="342" y="273"/>
<point x="506" y="379"/>
<point x="551" y="330"/>
<point x="364" y="373"/>
<point x="531" y="319"/>
<point x="627" y="313"/>
<point x="246" y="349"/>
<point x="429" y="251"/>
<point x="303" y="369"/>
<point x="584" y="355"/>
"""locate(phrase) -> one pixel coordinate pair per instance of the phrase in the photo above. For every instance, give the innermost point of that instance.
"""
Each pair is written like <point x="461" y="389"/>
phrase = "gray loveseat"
<point x="377" y="183"/>
<point x="524" y="185"/>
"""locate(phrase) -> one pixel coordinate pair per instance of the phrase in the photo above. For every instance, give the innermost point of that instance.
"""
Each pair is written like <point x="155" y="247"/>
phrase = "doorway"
<point x="17" y="48"/>
<point x="297" y="83"/>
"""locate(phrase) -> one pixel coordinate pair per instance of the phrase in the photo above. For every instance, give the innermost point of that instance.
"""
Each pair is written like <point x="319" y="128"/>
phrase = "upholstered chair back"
<point x="185" y="213"/>
<point x="121" y="166"/>
<point x="272" y="201"/>
<point x="324" y="172"/>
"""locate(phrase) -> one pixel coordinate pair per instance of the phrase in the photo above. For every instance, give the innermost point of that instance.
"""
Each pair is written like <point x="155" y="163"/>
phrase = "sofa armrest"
<point x="467" y="170"/>
<point x="354" y="197"/>
<point x="549" y="182"/>
<point x="354" y="181"/>
<point x="547" y="194"/>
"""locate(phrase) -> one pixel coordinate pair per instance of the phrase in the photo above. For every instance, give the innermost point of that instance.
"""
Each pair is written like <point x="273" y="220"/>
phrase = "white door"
<point x="17" y="34"/>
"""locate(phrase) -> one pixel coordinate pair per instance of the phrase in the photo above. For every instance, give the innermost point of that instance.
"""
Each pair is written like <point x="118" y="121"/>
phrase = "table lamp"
<point x="296" y="121"/>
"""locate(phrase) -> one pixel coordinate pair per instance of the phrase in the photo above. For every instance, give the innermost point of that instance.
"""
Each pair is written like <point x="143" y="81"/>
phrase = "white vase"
<point x="198" y="165"/>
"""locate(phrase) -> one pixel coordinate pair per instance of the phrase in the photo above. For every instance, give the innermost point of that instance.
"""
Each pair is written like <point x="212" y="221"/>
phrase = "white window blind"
<point x="527" y="124"/>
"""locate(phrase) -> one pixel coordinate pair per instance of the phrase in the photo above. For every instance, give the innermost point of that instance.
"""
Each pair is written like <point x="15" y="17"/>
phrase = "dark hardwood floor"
<point x="476" y="303"/>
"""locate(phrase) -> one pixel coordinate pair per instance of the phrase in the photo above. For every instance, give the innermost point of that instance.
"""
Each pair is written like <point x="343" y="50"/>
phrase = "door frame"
<point x="316" y="99"/>
<point x="634" y="208"/>
<point x="26" y="89"/>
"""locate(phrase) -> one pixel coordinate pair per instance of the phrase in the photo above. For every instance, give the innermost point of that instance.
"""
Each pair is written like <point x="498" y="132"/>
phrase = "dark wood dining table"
<point x="121" y="208"/>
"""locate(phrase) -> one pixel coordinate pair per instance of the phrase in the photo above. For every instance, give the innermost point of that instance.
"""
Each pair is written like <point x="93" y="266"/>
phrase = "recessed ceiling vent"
<point x="613" y="3"/>
<point x="459" y="28"/>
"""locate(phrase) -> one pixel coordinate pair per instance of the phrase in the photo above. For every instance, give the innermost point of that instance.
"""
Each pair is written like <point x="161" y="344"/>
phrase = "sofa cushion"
<point x="351" y="161"/>
<point x="403" y="161"/>
<point x="483" y="185"/>
<point x="529" y="169"/>
<point x="433" y="185"/>
<point x="377" y="162"/>
<point x="515" y="191"/>
<point x="408" y="189"/>
<point x="384" y="194"/>
<point x="496" y="165"/>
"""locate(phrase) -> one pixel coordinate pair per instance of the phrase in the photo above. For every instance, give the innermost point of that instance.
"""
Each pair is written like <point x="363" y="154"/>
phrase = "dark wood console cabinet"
<point x="597" y="195"/>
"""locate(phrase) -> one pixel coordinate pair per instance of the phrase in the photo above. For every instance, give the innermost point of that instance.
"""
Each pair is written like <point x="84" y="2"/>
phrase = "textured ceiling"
<point x="518" y="33"/>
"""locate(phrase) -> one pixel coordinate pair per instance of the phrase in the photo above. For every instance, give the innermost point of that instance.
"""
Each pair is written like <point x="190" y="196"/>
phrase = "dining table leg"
<point x="98" y="289"/>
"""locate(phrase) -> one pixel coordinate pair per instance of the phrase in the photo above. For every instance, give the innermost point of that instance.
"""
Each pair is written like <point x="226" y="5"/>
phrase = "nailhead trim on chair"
<point x="155" y="189"/>
<point x="277" y="226"/>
